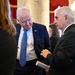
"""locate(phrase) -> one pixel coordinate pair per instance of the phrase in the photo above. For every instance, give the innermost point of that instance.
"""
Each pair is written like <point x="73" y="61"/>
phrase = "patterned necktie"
<point x="23" y="49"/>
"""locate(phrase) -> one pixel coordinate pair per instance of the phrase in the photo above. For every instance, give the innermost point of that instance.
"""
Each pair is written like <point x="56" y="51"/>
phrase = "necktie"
<point x="23" y="49"/>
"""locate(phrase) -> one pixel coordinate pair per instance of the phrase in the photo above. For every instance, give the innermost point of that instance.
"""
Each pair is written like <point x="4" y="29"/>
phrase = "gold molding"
<point x="51" y="11"/>
<point x="13" y="6"/>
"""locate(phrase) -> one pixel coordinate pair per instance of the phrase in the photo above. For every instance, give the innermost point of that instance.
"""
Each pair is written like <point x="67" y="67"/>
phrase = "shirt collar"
<point x="67" y="27"/>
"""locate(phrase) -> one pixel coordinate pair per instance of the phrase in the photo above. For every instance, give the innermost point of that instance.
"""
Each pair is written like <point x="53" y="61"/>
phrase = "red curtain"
<point x="54" y="4"/>
<point x="13" y="6"/>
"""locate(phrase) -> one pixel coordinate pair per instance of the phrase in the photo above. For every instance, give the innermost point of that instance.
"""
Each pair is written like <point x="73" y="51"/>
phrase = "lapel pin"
<point x="35" y="30"/>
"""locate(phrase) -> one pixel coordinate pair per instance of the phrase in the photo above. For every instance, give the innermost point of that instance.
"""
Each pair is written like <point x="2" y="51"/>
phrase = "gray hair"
<point x="66" y="10"/>
<point x="22" y="9"/>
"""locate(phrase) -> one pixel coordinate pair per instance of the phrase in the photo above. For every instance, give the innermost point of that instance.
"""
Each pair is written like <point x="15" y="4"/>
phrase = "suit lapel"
<point x="18" y="27"/>
<point x="35" y="35"/>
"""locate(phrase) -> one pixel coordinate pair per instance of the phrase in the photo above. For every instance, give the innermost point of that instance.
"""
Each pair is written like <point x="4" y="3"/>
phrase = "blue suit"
<point x="41" y="41"/>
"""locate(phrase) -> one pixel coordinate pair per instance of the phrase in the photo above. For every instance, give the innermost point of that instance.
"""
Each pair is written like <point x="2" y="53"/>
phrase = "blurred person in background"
<point x="53" y="35"/>
<point x="14" y="21"/>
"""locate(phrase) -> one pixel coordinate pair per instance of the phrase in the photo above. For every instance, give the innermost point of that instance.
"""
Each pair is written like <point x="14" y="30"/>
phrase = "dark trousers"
<point x="29" y="69"/>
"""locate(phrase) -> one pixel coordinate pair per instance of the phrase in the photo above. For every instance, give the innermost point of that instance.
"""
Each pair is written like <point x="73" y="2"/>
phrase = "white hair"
<point x="24" y="8"/>
<point x="66" y="10"/>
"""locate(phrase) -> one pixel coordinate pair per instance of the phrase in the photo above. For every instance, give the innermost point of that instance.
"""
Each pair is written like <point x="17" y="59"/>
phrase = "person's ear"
<point x="66" y="17"/>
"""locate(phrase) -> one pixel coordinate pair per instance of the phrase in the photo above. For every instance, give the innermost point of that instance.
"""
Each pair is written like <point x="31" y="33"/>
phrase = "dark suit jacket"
<point x="8" y="52"/>
<point x="41" y="39"/>
<point x="62" y="60"/>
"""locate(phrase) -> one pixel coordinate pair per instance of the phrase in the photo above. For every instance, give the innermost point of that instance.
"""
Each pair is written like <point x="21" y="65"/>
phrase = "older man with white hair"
<point x="62" y="60"/>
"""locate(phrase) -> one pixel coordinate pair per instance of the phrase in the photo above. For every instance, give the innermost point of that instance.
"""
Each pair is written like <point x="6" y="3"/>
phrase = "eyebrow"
<point x="56" y="17"/>
<point x="27" y="20"/>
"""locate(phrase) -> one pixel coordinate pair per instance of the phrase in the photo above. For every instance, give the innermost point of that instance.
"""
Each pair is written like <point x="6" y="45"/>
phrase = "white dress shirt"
<point x="30" y="52"/>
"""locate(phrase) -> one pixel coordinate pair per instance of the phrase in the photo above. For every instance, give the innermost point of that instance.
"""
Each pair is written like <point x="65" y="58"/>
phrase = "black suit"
<point x="62" y="60"/>
<point x="41" y="41"/>
<point x="8" y="52"/>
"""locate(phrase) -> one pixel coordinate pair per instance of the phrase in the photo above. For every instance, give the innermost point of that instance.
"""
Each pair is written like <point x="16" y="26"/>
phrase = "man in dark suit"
<point x="62" y="60"/>
<point x="37" y="40"/>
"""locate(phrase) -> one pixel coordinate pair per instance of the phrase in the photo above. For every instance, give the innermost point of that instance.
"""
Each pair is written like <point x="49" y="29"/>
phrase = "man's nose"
<point x="27" y="22"/>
